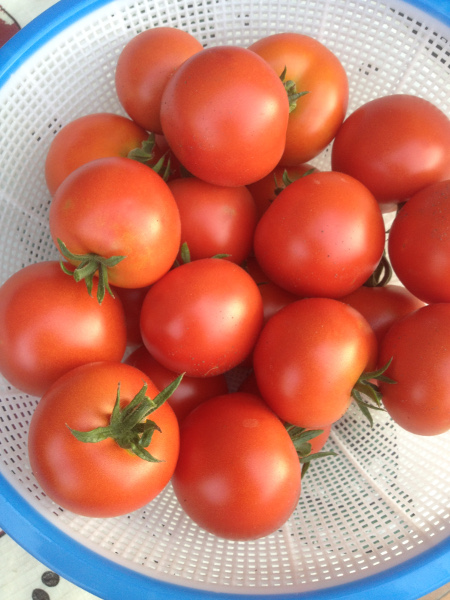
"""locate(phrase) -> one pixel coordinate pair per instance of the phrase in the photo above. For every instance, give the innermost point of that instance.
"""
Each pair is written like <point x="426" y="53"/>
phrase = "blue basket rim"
<point x="106" y="578"/>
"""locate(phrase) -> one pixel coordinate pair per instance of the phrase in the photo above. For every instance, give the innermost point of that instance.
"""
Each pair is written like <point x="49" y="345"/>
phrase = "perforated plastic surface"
<point x="381" y="507"/>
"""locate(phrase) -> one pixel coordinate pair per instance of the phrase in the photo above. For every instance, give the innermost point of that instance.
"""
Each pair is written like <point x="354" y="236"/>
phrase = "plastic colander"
<point x="373" y="522"/>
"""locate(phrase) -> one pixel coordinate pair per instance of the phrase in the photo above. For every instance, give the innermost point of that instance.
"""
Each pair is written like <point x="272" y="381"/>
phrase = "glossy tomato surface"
<point x="395" y="145"/>
<point x="308" y="358"/>
<point x="202" y="318"/>
<point x="224" y="114"/>
<point x="49" y="324"/>
<point x="419" y="345"/>
<point x="238" y="475"/>
<point x="99" y="479"/>
<point x="322" y="236"/>
<point x="314" y="69"/>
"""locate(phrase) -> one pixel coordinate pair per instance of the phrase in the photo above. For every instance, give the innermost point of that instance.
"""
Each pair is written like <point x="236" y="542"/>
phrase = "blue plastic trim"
<point x="105" y="578"/>
<point x="41" y="29"/>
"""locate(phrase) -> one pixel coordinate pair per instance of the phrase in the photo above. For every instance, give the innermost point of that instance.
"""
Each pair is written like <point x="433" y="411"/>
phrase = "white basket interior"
<point x="384" y="498"/>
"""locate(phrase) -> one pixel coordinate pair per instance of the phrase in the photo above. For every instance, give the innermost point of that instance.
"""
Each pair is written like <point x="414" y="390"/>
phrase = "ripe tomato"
<point x="190" y="392"/>
<point x="382" y="306"/>
<point x="322" y="236"/>
<point x="273" y="296"/>
<point x="202" y="318"/>
<point x="100" y="479"/>
<point x="238" y="473"/>
<point x="118" y="207"/>
<point x="395" y="145"/>
<point x="316" y="70"/>
<point x="267" y="189"/>
<point x="224" y="114"/>
<point x="89" y="137"/>
<point x="419" y="243"/>
<point x="144" y="67"/>
<point x="215" y="219"/>
<point x="132" y="299"/>
<point x="308" y="358"/>
<point x="49" y="325"/>
<point x="419" y="346"/>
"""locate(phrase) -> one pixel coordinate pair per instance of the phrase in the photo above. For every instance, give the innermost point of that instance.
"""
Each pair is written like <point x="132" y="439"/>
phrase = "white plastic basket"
<point x="373" y="522"/>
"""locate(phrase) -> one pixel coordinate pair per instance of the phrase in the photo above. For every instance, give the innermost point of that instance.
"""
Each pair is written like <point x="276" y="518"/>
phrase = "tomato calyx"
<point x="300" y="438"/>
<point x="146" y="153"/>
<point x="291" y="89"/>
<point x="286" y="180"/>
<point x="365" y="386"/>
<point x="127" y="426"/>
<point x="88" y="265"/>
<point x="185" y="255"/>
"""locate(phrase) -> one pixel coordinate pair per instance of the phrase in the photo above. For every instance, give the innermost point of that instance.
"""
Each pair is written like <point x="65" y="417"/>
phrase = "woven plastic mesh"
<point x="380" y="501"/>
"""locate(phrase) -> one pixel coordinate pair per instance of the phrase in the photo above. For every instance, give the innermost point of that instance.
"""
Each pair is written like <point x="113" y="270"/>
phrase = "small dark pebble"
<point x="50" y="579"/>
<point x="39" y="594"/>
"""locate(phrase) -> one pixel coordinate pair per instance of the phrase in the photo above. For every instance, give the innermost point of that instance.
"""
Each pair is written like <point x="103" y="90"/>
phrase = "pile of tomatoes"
<point x="198" y="241"/>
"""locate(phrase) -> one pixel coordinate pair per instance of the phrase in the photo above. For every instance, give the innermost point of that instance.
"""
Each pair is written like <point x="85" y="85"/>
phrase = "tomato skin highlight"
<point x="49" y="324"/>
<point x="419" y="243"/>
<point x="315" y="69"/>
<point x="309" y="356"/>
<point x="118" y="207"/>
<point x="191" y="392"/>
<point x="238" y="475"/>
<point x="322" y="236"/>
<point x="87" y="138"/>
<point x="419" y="347"/>
<point x="216" y="112"/>
<point x="145" y="65"/>
<point x="202" y="318"/>
<point x="98" y="479"/>
<point x="395" y="145"/>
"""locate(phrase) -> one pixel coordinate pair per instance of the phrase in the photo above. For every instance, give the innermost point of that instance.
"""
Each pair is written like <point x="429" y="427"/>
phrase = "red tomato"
<point x="89" y="137"/>
<point x="202" y="318"/>
<point x="144" y="67"/>
<point x="382" y="306"/>
<point x="191" y="392"/>
<point x="316" y="70"/>
<point x="419" y="243"/>
<point x="132" y="299"/>
<point x="49" y="325"/>
<point x="224" y="114"/>
<point x="395" y="145"/>
<point x="322" y="236"/>
<point x="420" y="350"/>
<point x="215" y="219"/>
<point x="238" y="474"/>
<point x="267" y="189"/>
<point x="308" y="358"/>
<point x="100" y="479"/>
<point x="273" y="296"/>
<point x="118" y="207"/>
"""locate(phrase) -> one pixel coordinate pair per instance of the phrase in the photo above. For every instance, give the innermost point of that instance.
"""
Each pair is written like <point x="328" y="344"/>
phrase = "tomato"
<point x="308" y="358"/>
<point x="322" y="236"/>
<point x="118" y="207"/>
<point x="202" y="318"/>
<point x="382" y="306"/>
<point x="100" y="479"/>
<point x="215" y="219"/>
<point x="191" y="391"/>
<point x="86" y="138"/>
<point x="273" y="296"/>
<point x="224" y="114"/>
<point x="420" y="350"/>
<point x="395" y="145"/>
<point x="267" y="189"/>
<point x="419" y="243"/>
<point x="238" y="473"/>
<point x="314" y="69"/>
<point x="145" y="65"/>
<point x="132" y="299"/>
<point x="49" y="325"/>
